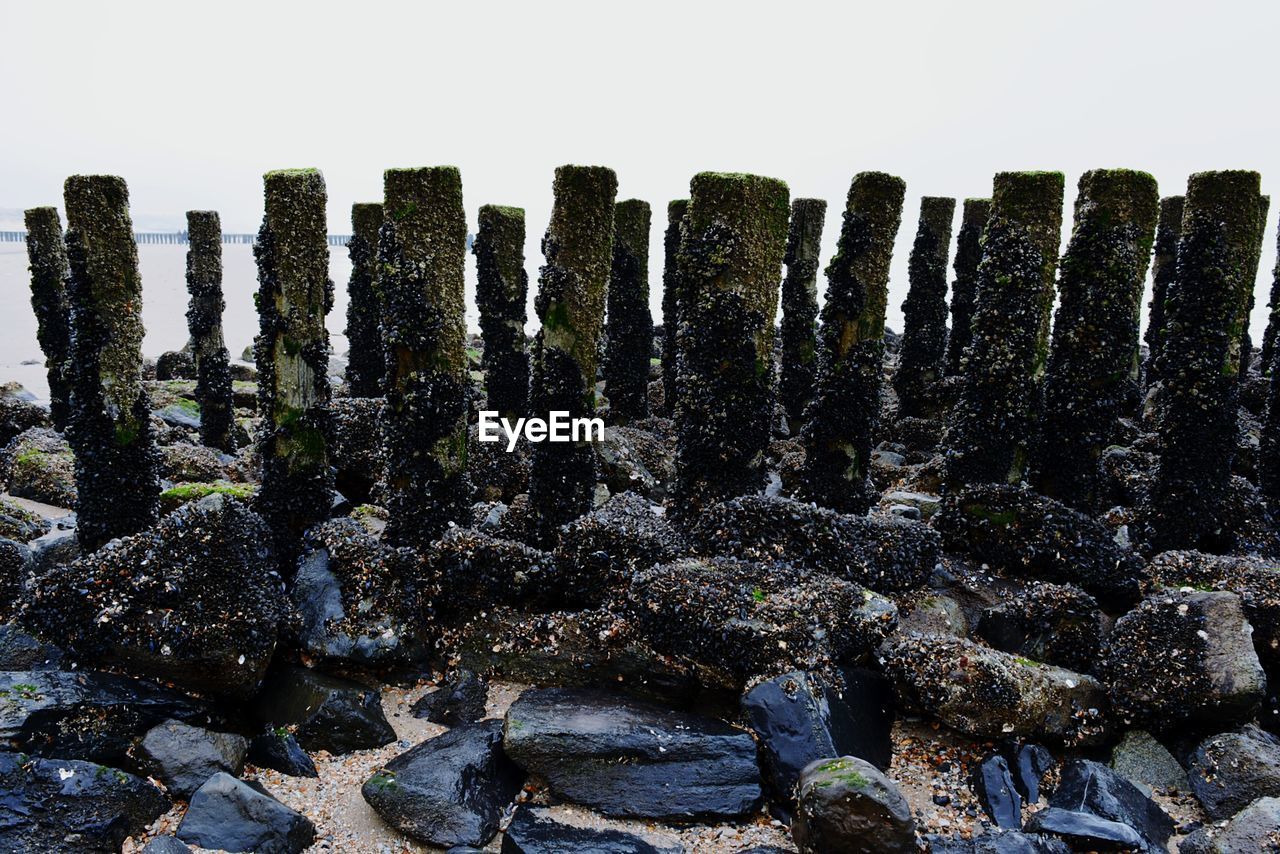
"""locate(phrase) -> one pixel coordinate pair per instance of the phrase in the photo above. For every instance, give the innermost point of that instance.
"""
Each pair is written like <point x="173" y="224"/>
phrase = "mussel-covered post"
<point x="422" y="256"/>
<point x="924" y="312"/>
<point x="629" y="328"/>
<point x="1246" y="342"/>
<point x="1273" y="315"/>
<point x="117" y="481"/>
<point x="964" y="288"/>
<point x="1092" y="376"/>
<point x="990" y="425"/>
<point x="292" y="354"/>
<point x="204" y="322"/>
<point x="502" y="289"/>
<point x="671" y="301"/>
<point x="366" y="362"/>
<point x="578" y="248"/>
<point x="800" y="306"/>
<point x="730" y="266"/>
<point x="1199" y="362"/>
<point x="47" y="254"/>
<point x="837" y="436"/>
<point x="1164" y="269"/>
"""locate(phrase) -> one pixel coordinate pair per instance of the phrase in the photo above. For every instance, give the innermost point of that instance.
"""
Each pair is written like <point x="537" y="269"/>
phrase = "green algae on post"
<point x="964" y="289"/>
<point x="629" y="327"/>
<point x="990" y="425"/>
<point x="292" y="355"/>
<point x="204" y="322"/>
<point x="47" y="254"/>
<point x="117" y="480"/>
<point x="366" y="362"/>
<point x="924" y="312"/>
<point x="578" y="247"/>
<point x="502" y="289"/>
<point x="800" y="306"/>
<point x="837" y="437"/>
<point x="1164" y="269"/>
<point x="730" y="264"/>
<point x="1091" y="379"/>
<point x="671" y="301"/>
<point x="422" y="255"/>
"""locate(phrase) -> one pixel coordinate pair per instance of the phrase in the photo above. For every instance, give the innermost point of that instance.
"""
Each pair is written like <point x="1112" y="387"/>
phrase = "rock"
<point x="1184" y="657"/>
<point x="185" y="462"/>
<point x="194" y="601"/>
<point x="625" y="757"/>
<point x="885" y="554"/>
<point x="450" y="790"/>
<point x="84" y="714"/>
<point x="58" y="547"/>
<point x="166" y="845"/>
<point x="327" y="713"/>
<point x="1092" y="788"/>
<point x="22" y="651"/>
<point x="183" y="757"/>
<point x="38" y="464"/>
<point x="175" y="365"/>
<point x="460" y="700"/>
<point x="1022" y="533"/>
<point x="1031" y="762"/>
<point x="1086" y="832"/>
<point x="846" y="804"/>
<point x="993" y="785"/>
<point x="1230" y="770"/>
<point x="535" y="831"/>
<point x="229" y="814"/>
<point x="992" y="694"/>
<point x="997" y="841"/>
<point x="1140" y="759"/>
<point x="277" y="748"/>
<point x="15" y="566"/>
<point x="477" y="571"/>
<point x="1054" y="623"/>
<point x="933" y="614"/>
<point x="19" y="524"/>
<point x="18" y="414"/>
<point x="633" y="460"/>
<point x="182" y="412"/>
<point x="748" y="619"/>
<point x="1254" y="828"/>
<point x="69" y="805"/>
<point x="926" y="505"/>
<point x="355" y="449"/>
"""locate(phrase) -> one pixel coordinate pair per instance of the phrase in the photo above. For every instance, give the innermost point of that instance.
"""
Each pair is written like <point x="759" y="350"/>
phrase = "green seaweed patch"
<point x="996" y="517"/>
<point x="184" y="492"/>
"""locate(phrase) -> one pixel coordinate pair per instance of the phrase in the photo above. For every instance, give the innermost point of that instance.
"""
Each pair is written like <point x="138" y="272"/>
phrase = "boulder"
<point x="1142" y="760"/>
<point x="1254" y="828"/>
<point x="19" y="524"/>
<point x="459" y="700"/>
<point x="183" y="756"/>
<point x="69" y="805"/>
<point x="847" y="804"/>
<point x="1230" y="770"/>
<point x="18" y="413"/>
<point x="166" y="845"/>
<point x="231" y="815"/>
<point x="187" y="462"/>
<point x="1054" y="623"/>
<point x="633" y="460"/>
<point x="19" y="650"/>
<point x="991" y="694"/>
<point x="277" y="748"/>
<point x="195" y="600"/>
<point x="38" y="464"/>
<point x="1086" y="832"/>
<point x="325" y="712"/>
<point x="997" y="841"/>
<point x="1093" y="789"/>
<point x="625" y="757"/>
<point x="1030" y="763"/>
<point x="1184" y="658"/>
<point x="536" y="831"/>
<point x="450" y="790"/>
<point x="994" y="787"/>
<point x="476" y="571"/>
<point x="175" y="365"/>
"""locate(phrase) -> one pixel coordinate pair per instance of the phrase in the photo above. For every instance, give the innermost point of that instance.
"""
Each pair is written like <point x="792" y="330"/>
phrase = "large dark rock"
<point x="1092" y="788"/>
<point x="18" y="413"/>
<point x="846" y="804"/>
<point x="459" y="700"/>
<point x="1054" y="623"/>
<point x="67" y="805"/>
<point x="886" y="554"/>
<point x="15" y="567"/>
<point x="1254" y="828"/>
<point x="1022" y="533"/>
<point x="326" y="712"/>
<point x="1230" y="770"/>
<point x="450" y="790"/>
<point x="277" y="748"/>
<point x="38" y="464"/>
<point x="994" y="787"/>
<point x="1184" y="658"/>
<point x="1140" y="759"/>
<point x="637" y="461"/>
<point x="166" y="845"/>
<point x="183" y="756"/>
<point x="84" y="714"/>
<point x="19" y="650"/>
<point x="1030" y="763"/>
<point x="19" y="524"/>
<point x="1085" y="831"/>
<point x="996" y="841"/>
<point x="476" y="571"/>
<point x="231" y="815"/>
<point x="535" y="831"/>
<point x="625" y="757"/>
<point x="194" y="601"/>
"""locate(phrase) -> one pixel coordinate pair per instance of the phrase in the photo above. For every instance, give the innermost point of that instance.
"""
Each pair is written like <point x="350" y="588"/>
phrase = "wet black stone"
<point x="996" y="841"/>
<point x="1092" y="788"/>
<point x="166" y="845"/>
<point x="449" y="790"/>
<point x="845" y="803"/>
<point x="1086" y="831"/>
<point x="994" y="787"/>
<point x="1030" y="765"/>
<point x="277" y="748"/>
<point x="183" y="757"/>
<point x="1231" y="770"/>
<point x="964" y="288"/>
<point x="20" y="650"/>
<point x="461" y="699"/>
<point x="229" y="814"/>
<point x="534" y="831"/>
<point x="325" y="712"/>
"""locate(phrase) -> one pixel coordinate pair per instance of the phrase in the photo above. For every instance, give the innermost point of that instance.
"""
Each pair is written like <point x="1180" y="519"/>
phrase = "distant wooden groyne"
<point x="177" y="237"/>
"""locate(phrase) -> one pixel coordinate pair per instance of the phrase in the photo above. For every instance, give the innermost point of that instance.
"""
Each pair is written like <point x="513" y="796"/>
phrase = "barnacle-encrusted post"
<point x="117" y="481"/>
<point x="730" y="266"/>
<point x="1164" y="269"/>
<point x="422" y="254"/>
<point x="502" y="290"/>
<point x="924" y="312"/>
<point x="578" y="248"/>
<point x="1273" y="315"/>
<point x="988" y="432"/>
<point x="800" y="306"/>
<point x="204" y="322"/>
<point x="837" y="436"/>
<point x="964" y="289"/>
<point x="629" y="328"/>
<point x="366" y="362"/>
<point x="47" y="254"/>
<point x="292" y="354"/>
<point x="671" y="301"/>
<point x="1091" y="380"/>
<point x="1199" y="361"/>
<point x="1246" y="342"/>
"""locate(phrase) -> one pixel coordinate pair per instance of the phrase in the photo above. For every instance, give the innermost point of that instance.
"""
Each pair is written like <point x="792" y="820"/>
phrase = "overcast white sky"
<point x="191" y="103"/>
